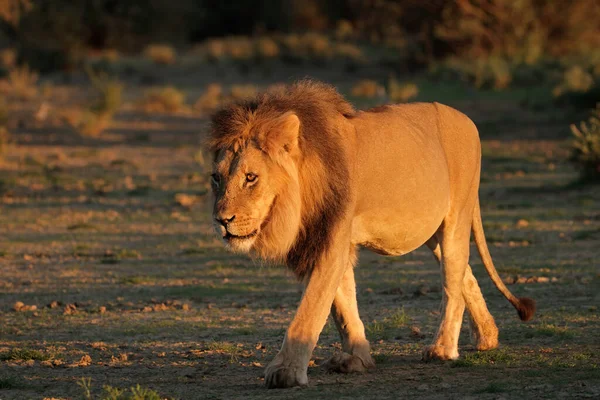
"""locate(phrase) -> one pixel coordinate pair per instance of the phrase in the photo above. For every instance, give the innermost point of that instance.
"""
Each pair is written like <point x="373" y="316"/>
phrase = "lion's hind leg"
<point x="483" y="327"/>
<point x="356" y="355"/>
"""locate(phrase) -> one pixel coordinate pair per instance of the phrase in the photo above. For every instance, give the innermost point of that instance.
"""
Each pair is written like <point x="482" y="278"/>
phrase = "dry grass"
<point x="163" y="100"/>
<point x="4" y="133"/>
<point x="211" y="99"/>
<point x="267" y="48"/>
<point x="215" y="96"/>
<point x="8" y="58"/>
<point x="368" y="89"/>
<point x="586" y="146"/>
<point x="21" y="83"/>
<point x="161" y="54"/>
<point x="97" y="117"/>
<point x="575" y="80"/>
<point x="242" y="92"/>
<point x="401" y="92"/>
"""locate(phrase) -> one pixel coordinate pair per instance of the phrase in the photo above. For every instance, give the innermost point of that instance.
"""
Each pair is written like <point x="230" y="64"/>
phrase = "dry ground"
<point x="110" y="239"/>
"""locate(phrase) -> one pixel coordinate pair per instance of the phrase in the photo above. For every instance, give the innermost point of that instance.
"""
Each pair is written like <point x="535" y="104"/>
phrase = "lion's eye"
<point x="215" y="179"/>
<point x="250" y="177"/>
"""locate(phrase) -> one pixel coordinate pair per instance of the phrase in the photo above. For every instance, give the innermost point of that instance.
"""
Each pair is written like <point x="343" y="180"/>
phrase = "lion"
<point x="302" y="178"/>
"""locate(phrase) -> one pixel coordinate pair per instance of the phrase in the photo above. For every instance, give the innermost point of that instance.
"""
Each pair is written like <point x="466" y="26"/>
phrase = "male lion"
<point x="303" y="178"/>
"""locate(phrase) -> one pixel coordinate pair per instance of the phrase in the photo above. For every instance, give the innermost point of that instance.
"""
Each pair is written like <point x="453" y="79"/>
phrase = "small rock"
<point x="185" y="307"/>
<point x="102" y="310"/>
<point x="522" y="223"/>
<point x="18" y="306"/>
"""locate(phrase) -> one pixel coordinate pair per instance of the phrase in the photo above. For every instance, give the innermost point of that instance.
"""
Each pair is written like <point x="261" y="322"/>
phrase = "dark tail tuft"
<point x="526" y="308"/>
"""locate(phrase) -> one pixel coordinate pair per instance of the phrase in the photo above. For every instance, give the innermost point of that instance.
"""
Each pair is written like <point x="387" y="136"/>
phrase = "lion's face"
<point x="245" y="186"/>
<point x="257" y="195"/>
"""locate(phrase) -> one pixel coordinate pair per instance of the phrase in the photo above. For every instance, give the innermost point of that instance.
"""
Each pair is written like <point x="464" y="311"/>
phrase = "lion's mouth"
<point x="230" y="236"/>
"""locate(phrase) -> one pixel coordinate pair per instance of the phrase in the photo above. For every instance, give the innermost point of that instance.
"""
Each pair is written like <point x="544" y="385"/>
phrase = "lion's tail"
<point x="524" y="305"/>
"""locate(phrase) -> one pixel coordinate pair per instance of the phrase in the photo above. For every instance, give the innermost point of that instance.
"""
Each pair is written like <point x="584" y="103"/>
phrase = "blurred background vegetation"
<point x="394" y="49"/>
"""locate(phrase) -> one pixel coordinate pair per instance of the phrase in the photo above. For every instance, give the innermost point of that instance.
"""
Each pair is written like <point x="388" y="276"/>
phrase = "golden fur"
<point x="300" y="177"/>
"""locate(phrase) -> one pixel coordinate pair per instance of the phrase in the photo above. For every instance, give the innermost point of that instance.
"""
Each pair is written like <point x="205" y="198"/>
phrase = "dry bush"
<point x="211" y="99"/>
<point x="8" y="58"/>
<point x="161" y="54"/>
<point x="109" y="93"/>
<point x="586" y="146"/>
<point x="349" y="52"/>
<point x="401" y="92"/>
<point x="4" y="133"/>
<point x="93" y="120"/>
<point x="519" y="31"/>
<point x="11" y="11"/>
<point x="484" y="72"/>
<point x="164" y="100"/>
<point x="90" y="124"/>
<point x="344" y="30"/>
<point x="368" y="88"/>
<point x="575" y="79"/>
<point x="267" y="47"/>
<point x="239" y="48"/>
<point x="215" y="49"/>
<point x="242" y="92"/>
<point x="20" y="83"/>
<point x="214" y="96"/>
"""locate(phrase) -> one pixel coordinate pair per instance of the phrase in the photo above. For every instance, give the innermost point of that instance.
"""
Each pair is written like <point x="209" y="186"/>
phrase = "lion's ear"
<point x="282" y="134"/>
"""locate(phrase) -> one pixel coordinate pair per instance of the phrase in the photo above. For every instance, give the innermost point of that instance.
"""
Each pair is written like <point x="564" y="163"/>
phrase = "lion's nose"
<point x="224" y="220"/>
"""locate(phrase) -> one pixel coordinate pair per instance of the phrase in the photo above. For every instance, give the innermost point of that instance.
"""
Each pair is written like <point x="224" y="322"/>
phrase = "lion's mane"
<point x="321" y="171"/>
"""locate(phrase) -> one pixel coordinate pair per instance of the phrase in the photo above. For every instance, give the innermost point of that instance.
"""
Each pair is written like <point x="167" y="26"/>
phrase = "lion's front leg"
<point x="289" y="368"/>
<point x="356" y="356"/>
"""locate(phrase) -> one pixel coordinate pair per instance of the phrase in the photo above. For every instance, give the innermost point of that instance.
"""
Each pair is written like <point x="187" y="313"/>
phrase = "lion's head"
<point x="280" y="172"/>
<point x="255" y="183"/>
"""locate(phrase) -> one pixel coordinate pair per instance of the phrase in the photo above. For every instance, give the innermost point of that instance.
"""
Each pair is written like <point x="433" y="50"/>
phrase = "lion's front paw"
<point x="279" y="375"/>
<point x="438" y="352"/>
<point x="346" y="363"/>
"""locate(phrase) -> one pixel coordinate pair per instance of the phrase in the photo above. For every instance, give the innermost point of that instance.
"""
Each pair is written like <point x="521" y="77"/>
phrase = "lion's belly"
<point x="392" y="232"/>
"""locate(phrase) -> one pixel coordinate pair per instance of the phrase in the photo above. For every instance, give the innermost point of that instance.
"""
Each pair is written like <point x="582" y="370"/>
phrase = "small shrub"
<point x="267" y="48"/>
<point x="161" y="54"/>
<point x="211" y="99"/>
<point x="167" y="99"/>
<point x="483" y="72"/>
<point x="92" y="124"/>
<point x="93" y="120"/>
<point x="401" y="92"/>
<point x="136" y="392"/>
<point x="368" y="88"/>
<point x="4" y="133"/>
<point x="242" y="92"/>
<point x="8" y="58"/>
<point x="21" y="82"/>
<point x="215" y="49"/>
<point x="344" y="29"/>
<point x="349" y="52"/>
<point x="575" y="79"/>
<point x="586" y="146"/>
<point x="239" y="48"/>
<point x="108" y="93"/>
